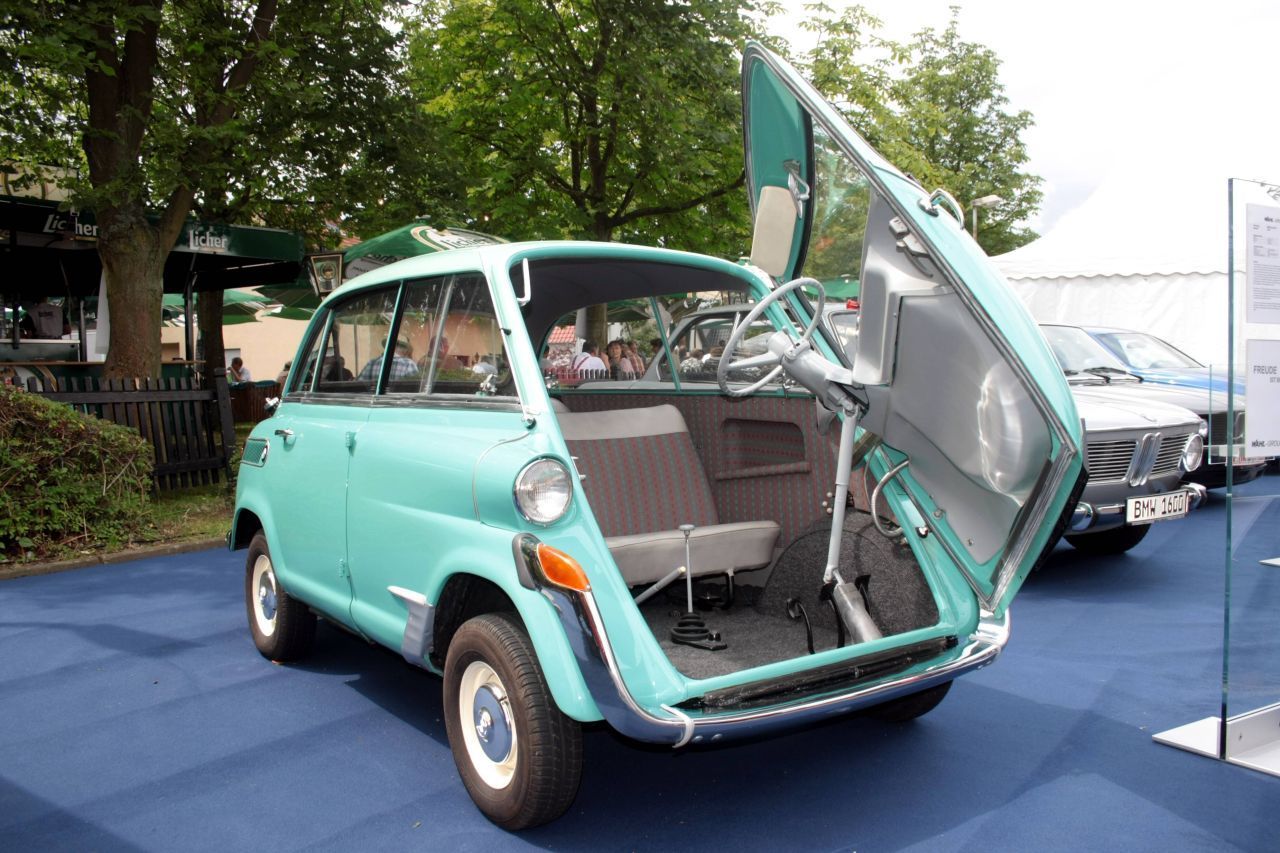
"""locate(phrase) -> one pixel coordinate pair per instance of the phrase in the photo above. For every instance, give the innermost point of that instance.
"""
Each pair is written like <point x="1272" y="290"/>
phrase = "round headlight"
<point x="543" y="490"/>
<point x="1192" y="453"/>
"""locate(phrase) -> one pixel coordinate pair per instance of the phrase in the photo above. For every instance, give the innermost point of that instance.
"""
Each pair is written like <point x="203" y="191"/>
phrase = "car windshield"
<point x="1078" y="353"/>
<point x="1140" y="350"/>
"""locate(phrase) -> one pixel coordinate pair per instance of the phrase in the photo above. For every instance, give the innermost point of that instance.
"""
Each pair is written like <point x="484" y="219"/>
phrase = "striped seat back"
<point x="641" y="471"/>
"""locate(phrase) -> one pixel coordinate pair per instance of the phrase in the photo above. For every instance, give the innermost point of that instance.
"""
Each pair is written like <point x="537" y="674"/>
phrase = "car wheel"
<point x="283" y="628"/>
<point x="1114" y="541"/>
<point x="907" y="708"/>
<point x="519" y="756"/>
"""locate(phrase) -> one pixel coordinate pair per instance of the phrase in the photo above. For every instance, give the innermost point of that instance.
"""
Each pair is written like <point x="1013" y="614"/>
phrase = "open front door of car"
<point x="957" y="380"/>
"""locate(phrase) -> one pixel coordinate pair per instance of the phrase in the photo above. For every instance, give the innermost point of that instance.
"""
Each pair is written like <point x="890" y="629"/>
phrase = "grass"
<point x="181" y="516"/>
<point x="203" y="512"/>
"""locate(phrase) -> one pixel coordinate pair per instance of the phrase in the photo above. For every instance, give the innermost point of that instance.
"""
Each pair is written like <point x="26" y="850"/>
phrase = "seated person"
<point x="633" y="355"/>
<point x="402" y="364"/>
<point x="588" y="363"/>
<point x="335" y="369"/>
<point x="444" y="361"/>
<point x="693" y="364"/>
<point x="619" y="365"/>
<point x="237" y="372"/>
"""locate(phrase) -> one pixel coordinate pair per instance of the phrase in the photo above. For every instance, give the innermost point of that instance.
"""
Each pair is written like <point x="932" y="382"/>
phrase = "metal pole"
<point x="1231" y="429"/>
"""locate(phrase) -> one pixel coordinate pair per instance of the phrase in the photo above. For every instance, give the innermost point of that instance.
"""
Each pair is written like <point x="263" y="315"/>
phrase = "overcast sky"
<point x="1143" y="91"/>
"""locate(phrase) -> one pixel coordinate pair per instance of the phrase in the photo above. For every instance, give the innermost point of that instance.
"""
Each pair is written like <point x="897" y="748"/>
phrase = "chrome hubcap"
<point x="265" y="595"/>
<point x="267" y="600"/>
<point x="490" y="738"/>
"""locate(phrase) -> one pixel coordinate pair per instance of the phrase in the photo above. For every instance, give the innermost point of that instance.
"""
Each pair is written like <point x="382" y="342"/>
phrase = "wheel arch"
<point x="244" y="524"/>
<point x="465" y="594"/>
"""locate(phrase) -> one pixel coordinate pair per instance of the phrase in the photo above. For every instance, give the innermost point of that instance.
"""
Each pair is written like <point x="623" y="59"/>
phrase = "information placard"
<point x="1262" y="390"/>
<point x="1262" y="270"/>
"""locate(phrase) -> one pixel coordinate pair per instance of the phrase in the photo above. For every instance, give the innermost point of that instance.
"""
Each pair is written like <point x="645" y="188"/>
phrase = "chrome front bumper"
<point x="1087" y="516"/>
<point x="593" y="651"/>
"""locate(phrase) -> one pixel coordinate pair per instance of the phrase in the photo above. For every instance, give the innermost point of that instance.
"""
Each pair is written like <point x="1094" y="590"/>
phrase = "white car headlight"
<point x="1192" y="453"/>
<point x="543" y="490"/>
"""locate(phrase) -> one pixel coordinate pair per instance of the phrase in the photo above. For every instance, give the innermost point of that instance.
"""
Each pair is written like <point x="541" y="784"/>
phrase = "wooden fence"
<point x="187" y="425"/>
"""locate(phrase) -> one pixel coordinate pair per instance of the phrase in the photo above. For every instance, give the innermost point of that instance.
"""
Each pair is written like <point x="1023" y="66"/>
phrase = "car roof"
<point x="502" y="254"/>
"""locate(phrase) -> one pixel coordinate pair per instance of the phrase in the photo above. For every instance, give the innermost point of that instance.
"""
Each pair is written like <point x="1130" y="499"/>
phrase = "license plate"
<point x="1155" y="507"/>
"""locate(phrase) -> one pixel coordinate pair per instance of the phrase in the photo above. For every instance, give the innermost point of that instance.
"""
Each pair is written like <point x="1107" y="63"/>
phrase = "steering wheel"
<point x="767" y="358"/>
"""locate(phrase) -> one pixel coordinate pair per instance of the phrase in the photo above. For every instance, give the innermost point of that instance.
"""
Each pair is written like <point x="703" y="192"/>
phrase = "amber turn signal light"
<point x="561" y="569"/>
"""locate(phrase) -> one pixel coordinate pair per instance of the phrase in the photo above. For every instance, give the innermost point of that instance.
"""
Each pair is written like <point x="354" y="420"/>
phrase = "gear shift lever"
<point x="687" y="530"/>
<point x="691" y="629"/>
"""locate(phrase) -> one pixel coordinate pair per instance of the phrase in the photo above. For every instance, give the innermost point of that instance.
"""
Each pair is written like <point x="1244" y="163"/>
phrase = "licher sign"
<point x="207" y="239"/>
<point x="196" y="237"/>
<point x="63" y="223"/>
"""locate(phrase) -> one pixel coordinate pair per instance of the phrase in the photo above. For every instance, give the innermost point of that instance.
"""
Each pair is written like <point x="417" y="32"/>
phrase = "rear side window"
<point x="449" y="326"/>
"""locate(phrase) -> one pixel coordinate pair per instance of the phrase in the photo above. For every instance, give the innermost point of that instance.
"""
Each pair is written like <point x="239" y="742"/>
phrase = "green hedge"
<point x="67" y="479"/>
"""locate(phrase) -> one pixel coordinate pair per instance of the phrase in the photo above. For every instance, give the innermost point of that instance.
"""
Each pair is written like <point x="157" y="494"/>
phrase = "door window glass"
<point x="357" y="343"/>
<point x="452" y="340"/>
<point x="304" y="378"/>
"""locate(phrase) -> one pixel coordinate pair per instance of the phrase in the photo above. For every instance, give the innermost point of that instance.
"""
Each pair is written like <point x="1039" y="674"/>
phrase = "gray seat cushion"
<point x="648" y="557"/>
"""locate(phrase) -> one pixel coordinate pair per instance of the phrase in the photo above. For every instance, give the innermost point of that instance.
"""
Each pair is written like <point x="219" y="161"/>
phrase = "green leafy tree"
<point x="607" y="120"/>
<point x="231" y="109"/>
<point x="935" y="107"/>
<point x="106" y="59"/>
<point x="955" y="113"/>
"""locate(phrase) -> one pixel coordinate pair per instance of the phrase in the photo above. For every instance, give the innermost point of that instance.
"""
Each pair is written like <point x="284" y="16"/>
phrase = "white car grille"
<point x="1110" y="461"/>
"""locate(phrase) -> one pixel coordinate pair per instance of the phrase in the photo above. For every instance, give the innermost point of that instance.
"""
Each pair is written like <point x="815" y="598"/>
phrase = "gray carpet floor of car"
<point x="753" y="639"/>
<point x="757" y="629"/>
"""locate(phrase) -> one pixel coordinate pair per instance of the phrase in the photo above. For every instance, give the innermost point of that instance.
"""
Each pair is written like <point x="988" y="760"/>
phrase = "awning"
<point x="48" y="252"/>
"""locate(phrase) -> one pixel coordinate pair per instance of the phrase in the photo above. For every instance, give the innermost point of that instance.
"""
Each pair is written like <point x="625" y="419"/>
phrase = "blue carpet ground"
<point x="136" y="715"/>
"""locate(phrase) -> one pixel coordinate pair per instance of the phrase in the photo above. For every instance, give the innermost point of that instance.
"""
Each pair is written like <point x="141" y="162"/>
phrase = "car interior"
<point x="738" y="490"/>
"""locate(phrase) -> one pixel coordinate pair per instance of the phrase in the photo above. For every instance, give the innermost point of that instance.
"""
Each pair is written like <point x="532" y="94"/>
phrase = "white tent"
<point x="1145" y="255"/>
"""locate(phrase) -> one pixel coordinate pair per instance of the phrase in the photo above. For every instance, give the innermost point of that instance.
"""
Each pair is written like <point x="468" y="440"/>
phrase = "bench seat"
<point x="643" y="479"/>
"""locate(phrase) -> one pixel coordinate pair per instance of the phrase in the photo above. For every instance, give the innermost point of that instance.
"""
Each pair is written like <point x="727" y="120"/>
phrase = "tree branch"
<point x="684" y="205"/>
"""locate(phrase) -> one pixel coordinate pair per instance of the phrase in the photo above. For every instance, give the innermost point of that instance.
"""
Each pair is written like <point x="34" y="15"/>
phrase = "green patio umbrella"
<point x="416" y="238"/>
<point x="839" y="288"/>
<point x="237" y="306"/>
<point x="296" y="301"/>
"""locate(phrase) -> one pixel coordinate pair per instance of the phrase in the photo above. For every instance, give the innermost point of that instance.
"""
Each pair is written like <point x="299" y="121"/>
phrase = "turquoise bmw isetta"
<point x="672" y="557"/>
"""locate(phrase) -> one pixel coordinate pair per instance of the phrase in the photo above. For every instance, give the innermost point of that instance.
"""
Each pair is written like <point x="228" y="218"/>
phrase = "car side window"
<point x="450" y="332"/>
<point x="304" y="379"/>
<point x="355" y="345"/>
<point x="698" y="349"/>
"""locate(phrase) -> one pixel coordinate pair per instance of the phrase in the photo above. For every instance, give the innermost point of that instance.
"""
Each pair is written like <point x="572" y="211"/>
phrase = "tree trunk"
<point x="598" y="315"/>
<point x="133" y="264"/>
<point x="209" y="309"/>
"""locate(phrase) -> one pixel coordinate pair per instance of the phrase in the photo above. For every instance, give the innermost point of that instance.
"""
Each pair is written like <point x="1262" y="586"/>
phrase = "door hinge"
<point x="342" y="569"/>
<point x="351" y="440"/>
